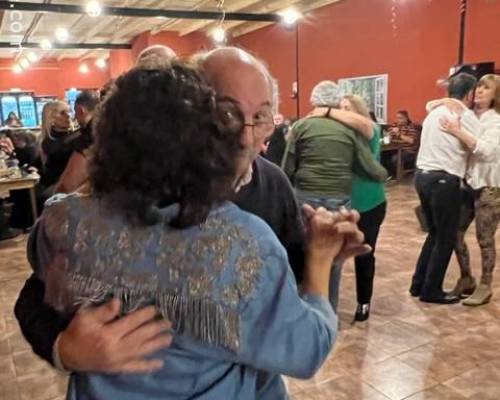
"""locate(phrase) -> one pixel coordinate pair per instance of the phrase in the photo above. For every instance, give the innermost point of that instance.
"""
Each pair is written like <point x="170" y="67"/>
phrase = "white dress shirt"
<point x="442" y="151"/>
<point x="484" y="165"/>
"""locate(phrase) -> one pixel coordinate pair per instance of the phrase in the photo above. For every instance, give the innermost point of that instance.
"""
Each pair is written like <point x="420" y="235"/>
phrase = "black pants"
<point x="369" y="224"/>
<point x="440" y="197"/>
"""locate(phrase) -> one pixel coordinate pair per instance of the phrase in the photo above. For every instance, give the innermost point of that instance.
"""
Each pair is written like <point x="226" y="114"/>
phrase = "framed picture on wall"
<point x="373" y="89"/>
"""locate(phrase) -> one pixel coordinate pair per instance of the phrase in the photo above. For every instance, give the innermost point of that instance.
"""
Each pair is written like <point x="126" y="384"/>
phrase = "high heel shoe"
<point x="481" y="295"/>
<point x="465" y="287"/>
<point x="362" y="312"/>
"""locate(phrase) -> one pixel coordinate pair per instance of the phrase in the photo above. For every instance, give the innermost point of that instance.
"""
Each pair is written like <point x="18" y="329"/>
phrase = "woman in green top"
<point x="368" y="197"/>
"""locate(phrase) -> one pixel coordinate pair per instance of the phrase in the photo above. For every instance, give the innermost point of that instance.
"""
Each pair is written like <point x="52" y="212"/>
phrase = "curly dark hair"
<point x="162" y="139"/>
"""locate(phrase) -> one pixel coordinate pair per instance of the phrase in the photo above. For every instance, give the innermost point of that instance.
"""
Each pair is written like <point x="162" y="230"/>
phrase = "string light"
<point x="45" y="44"/>
<point x="62" y="34"/>
<point x="84" y="68"/>
<point x="100" y="63"/>
<point x="290" y="16"/>
<point x="93" y="9"/>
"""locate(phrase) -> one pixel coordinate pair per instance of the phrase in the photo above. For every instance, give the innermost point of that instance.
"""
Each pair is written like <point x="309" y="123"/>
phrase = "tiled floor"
<point x="407" y="350"/>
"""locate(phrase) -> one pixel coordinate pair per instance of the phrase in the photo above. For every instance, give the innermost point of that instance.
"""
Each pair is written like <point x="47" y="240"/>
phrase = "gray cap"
<point x="326" y="93"/>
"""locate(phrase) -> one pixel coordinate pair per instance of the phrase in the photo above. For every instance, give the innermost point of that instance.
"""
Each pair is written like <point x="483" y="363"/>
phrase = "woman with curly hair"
<point x="158" y="229"/>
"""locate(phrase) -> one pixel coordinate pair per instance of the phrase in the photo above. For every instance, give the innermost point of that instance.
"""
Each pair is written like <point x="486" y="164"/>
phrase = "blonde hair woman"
<point x="484" y="178"/>
<point x="367" y="197"/>
<point x="57" y="144"/>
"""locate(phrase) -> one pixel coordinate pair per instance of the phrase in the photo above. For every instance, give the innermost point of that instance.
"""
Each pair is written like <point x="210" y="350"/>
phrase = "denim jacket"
<point x="226" y="285"/>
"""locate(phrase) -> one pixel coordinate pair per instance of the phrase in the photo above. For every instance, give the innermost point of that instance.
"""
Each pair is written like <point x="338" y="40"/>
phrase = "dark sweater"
<point x="269" y="195"/>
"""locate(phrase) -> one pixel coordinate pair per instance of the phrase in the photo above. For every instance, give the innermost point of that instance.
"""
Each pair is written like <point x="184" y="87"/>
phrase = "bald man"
<point x="95" y="340"/>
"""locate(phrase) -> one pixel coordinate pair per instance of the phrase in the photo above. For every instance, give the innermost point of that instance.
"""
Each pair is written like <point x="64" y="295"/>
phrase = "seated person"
<point x="158" y="229"/>
<point x="13" y="121"/>
<point x="403" y="131"/>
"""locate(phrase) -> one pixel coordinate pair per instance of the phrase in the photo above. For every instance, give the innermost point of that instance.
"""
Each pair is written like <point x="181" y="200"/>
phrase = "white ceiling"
<point x="107" y="29"/>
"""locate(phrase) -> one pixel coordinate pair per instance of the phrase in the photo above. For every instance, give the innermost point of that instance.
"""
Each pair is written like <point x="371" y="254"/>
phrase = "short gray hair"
<point x="326" y="94"/>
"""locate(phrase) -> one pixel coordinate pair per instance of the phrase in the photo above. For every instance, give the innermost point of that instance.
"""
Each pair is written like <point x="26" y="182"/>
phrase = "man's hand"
<point x="97" y="341"/>
<point x="353" y="237"/>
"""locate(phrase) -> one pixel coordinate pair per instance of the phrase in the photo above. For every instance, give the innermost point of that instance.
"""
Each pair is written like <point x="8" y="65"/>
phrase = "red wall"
<point x="482" y="38"/>
<point x="50" y="77"/>
<point x="356" y="38"/>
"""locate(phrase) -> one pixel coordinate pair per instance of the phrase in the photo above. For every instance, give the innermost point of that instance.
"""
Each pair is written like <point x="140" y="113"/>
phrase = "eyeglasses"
<point x="261" y="129"/>
<point x="263" y="123"/>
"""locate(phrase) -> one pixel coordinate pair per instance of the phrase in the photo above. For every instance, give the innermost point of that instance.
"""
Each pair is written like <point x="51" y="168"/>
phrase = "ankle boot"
<point x="465" y="287"/>
<point x="481" y="295"/>
<point x="362" y="312"/>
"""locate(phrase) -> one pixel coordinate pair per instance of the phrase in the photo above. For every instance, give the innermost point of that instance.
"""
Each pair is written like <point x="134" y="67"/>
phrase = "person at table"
<point x="404" y="132"/>
<point x="13" y="121"/>
<point x="322" y="156"/>
<point x="442" y="164"/>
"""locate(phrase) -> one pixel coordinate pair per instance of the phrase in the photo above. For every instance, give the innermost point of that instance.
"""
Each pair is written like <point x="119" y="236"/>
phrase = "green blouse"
<point x="366" y="193"/>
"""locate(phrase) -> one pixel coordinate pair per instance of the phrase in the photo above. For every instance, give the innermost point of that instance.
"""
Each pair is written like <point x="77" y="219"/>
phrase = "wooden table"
<point x="399" y="148"/>
<point x="29" y="183"/>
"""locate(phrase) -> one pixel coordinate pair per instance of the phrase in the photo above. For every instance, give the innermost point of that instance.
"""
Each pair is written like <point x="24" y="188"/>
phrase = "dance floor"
<point x="407" y="350"/>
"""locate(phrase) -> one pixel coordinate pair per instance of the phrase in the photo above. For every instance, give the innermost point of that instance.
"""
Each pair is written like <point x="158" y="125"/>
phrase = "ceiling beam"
<point x="135" y="12"/>
<point x="75" y="46"/>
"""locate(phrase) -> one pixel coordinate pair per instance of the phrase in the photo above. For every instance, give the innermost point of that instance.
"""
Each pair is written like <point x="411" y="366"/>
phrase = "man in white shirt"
<point x="442" y="164"/>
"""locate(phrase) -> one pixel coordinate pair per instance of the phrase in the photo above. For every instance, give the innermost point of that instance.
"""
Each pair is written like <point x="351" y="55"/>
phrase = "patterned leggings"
<point x="487" y="212"/>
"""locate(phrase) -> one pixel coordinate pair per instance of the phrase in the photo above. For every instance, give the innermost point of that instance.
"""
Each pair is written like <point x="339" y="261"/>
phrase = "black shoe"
<point x="414" y="291"/>
<point x="362" y="312"/>
<point x="10" y="233"/>
<point x="445" y="299"/>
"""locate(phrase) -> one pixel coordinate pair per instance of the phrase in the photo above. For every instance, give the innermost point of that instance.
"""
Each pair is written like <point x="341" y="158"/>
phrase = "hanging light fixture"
<point x="100" y="63"/>
<point x="84" y="68"/>
<point x="219" y="35"/>
<point x="45" y="44"/>
<point x="290" y="16"/>
<point x="93" y="9"/>
<point x="62" y="34"/>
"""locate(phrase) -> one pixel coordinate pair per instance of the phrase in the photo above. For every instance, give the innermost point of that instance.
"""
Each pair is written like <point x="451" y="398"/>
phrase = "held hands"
<point x="334" y="235"/>
<point x="97" y="340"/>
